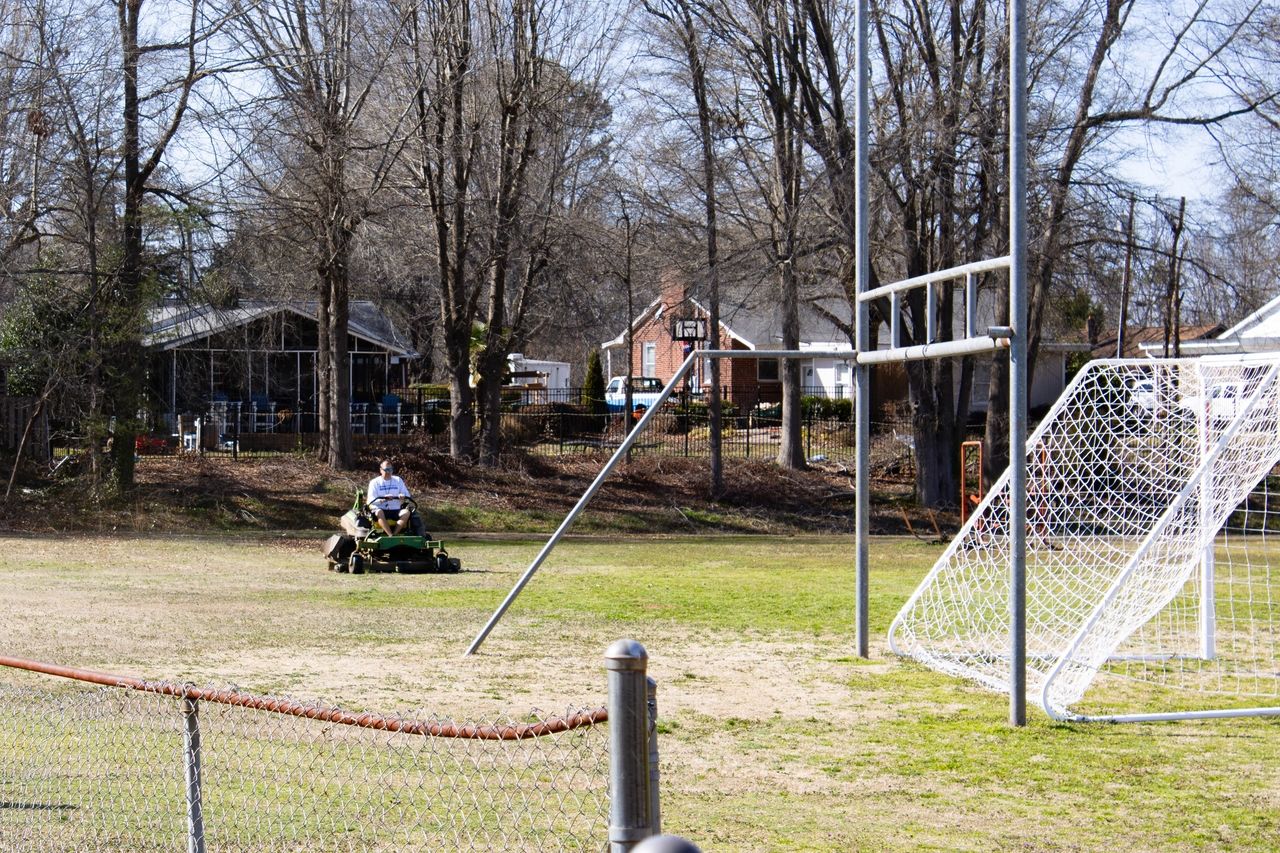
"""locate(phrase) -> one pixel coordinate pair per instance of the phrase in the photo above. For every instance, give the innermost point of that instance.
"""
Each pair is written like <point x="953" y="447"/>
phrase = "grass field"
<point x="774" y="735"/>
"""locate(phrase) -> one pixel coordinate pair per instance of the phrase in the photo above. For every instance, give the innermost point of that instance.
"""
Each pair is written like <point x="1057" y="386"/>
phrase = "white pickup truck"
<point x="644" y="392"/>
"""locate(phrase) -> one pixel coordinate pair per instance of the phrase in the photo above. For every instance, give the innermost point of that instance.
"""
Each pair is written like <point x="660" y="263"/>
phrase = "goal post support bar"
<point x="988" y="343"/>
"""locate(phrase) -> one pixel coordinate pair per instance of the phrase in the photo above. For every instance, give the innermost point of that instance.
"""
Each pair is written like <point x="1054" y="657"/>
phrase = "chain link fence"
<point x="142" y="766"/>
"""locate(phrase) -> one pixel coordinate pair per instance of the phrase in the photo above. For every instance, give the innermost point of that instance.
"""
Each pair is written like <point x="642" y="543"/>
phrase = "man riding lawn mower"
<point x="364" y="544"/>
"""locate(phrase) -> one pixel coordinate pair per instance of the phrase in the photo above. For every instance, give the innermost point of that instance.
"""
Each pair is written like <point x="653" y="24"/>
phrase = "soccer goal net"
<point x="1153" y="541"/>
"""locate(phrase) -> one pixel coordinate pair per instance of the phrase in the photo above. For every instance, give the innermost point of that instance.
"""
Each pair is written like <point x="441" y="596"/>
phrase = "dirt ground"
<point x="139" y="605"/>
<point x="526" y="493"/>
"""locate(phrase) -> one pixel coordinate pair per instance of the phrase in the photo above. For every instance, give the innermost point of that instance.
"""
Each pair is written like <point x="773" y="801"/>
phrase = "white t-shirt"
<point x="386" y="487"/>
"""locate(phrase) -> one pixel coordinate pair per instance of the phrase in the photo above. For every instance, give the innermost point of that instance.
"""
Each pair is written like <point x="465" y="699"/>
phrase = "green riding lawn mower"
<point x="363" y="546"/>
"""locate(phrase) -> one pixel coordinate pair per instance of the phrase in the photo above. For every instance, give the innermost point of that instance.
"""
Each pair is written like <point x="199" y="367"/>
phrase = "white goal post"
<point x="1151" y="536"/>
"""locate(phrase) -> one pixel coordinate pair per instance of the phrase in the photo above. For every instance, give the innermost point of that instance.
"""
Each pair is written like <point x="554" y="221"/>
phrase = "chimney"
<point x="673" y="291"/>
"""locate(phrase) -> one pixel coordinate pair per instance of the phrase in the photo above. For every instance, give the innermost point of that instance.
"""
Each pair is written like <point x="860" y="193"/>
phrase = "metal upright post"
<point x="1018" y="363"/>
<point x="191" y="751"/>
<point x="630" y="821"/>
<point x="862" y="372"/>
<point x="655" y="777"/>
<point x="1208" y="612"/>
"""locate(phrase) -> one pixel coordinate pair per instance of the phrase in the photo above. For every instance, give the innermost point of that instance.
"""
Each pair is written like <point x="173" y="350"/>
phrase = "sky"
<point x="1174" y="165"/>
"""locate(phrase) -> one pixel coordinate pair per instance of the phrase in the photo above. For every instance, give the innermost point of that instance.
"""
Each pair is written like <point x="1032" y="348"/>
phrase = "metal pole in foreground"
<point x="621" y="453"/>
<point x="630" y="819"/>
<point x="862" y="372"/>
<point x="618" y="455"/>
<point x="1018" y="363"/>
<point x="655" y="776"/>
<point x="191" y="751"/>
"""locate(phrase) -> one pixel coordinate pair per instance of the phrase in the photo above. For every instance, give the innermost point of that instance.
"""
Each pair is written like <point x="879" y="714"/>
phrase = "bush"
<point x="697" y="413"/>
<point x="554" y="421"/>
<point x="593" y="386"/>
<point x="431" y="390"/>
<point x="811" y="408"/>
<point x="826" y="408"/>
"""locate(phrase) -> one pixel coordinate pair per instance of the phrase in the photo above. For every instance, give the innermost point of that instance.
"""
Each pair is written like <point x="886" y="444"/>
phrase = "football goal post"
<point x="1152" y="527"/>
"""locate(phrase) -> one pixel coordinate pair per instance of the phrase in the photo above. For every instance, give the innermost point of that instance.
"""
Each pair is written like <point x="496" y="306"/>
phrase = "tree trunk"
<point x="457" y="335"/>
<point x="123" y="368"/>
<point x="324" y="370"/>
<point x="791" y="448"/>
<point x="339" y="439"/>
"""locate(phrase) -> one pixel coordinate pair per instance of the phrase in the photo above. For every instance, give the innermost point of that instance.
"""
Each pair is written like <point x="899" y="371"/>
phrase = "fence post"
<point x="191" y="749"/>
<point x="655" y="777"/>
<point x="235" y="435"/>
<point x="630" y="800"/>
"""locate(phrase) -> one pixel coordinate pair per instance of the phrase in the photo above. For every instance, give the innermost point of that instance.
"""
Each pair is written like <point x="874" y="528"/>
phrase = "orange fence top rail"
<point x="289" y="707"/>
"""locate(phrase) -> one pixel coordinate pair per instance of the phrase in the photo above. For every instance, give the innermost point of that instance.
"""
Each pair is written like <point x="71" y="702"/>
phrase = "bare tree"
<point x="685" y="32"/>
<point x="446" y="141"/>
<point x="507" y="112"/>
<point x="937" y="146"/>
<point x="1163" y="82"/>
<point x="108" y="86"/>
<point x="323" y="60"/>
<point x="768" y="126"/>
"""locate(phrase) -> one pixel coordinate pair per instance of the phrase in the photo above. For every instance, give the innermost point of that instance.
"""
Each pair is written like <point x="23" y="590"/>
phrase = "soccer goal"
<point x="1153" y="543"/>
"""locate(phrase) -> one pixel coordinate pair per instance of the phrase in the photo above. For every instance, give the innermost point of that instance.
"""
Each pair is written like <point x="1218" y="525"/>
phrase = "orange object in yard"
<point x="970" y="457"/>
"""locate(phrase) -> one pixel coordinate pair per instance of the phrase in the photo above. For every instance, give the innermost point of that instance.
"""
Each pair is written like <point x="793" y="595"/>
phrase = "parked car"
<point x="1225" y="401"/>
<point x="1142" y="395"/>
<point x="644" y="392"/>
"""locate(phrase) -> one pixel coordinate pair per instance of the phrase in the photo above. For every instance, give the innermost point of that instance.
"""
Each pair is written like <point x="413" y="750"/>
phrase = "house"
<point x="751" y="319"/>
<point x="675" y="324"/>
<point x="1259" y="332"/>
<point x="258" y="358"/>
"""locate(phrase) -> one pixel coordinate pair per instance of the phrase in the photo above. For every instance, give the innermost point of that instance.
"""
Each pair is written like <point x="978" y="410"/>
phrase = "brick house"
<point x="750" y="319"/>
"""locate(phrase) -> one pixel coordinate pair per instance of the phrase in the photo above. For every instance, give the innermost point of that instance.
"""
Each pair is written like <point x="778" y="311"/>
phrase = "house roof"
<point x="1265" y="322"/>
<point x="1146" y="340"/>
<point x="1259" y="332"/>
<point x="752" y="315"/>
<point x="175" y="324"/>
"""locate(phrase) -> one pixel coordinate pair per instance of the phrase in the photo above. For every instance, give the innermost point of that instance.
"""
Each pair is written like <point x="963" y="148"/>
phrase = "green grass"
<point x="774" y="735"/>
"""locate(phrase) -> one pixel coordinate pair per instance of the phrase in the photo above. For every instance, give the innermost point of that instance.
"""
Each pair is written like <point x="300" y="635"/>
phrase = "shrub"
<point x="593" y="386"/>
<point x="826" y="408"/>
<point x="550" y="421"/>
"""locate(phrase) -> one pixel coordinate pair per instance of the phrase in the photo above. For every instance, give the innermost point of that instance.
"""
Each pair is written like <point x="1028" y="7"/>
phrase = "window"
<point x="649" y="359"/>
<point x="767" y="370"/>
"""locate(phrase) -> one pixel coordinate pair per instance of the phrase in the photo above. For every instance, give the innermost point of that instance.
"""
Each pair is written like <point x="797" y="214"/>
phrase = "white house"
<point x="1259" y="332"/>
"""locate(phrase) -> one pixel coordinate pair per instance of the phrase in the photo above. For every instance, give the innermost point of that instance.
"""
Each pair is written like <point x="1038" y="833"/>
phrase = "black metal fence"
<point x="547" y="422"/>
